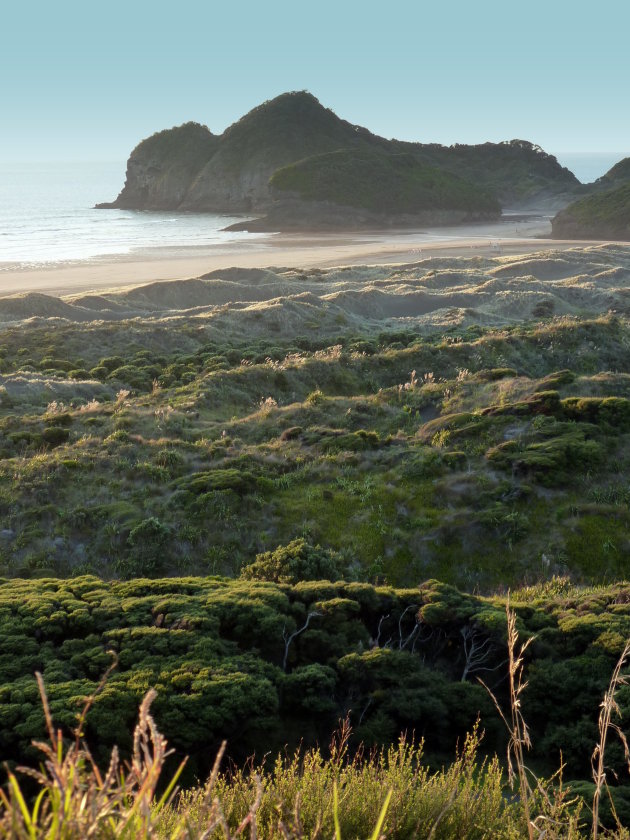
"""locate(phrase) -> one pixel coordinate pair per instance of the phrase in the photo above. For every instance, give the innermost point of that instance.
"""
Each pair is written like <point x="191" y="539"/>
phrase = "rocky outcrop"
<point x="602" y="216"/>
<point x="162" y="168"/>
<point x="188" y="168"/>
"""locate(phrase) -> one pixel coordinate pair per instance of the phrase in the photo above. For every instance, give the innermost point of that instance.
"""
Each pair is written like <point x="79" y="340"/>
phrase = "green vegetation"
<point x="303" y="795"/>
<point x="273" y="511"/>
<point x="603" y="215"/>
<point x="619" y="172"/>
<point x="267" y="664"/>
<point x="383" y="183"/>
<point x="189" y="145"/>
<point x="616" y="176"/>
<point x="516" y="170"/>
<point x="292" y="126"/>
<point x="480" y="457"/>
<point x="390" y="788"/>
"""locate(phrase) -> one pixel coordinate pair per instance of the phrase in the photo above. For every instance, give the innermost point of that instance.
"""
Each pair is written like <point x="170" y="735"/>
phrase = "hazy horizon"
<point x="89" y="82"/>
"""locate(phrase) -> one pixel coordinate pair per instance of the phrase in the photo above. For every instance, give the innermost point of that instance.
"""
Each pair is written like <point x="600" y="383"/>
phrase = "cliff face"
<point x="244" y="169"/>
<point x="162" y="168"/>
<point x="604" y="215"/>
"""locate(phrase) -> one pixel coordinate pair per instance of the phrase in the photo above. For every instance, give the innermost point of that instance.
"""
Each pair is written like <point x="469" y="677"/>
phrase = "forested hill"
<point x="191" y="169"/>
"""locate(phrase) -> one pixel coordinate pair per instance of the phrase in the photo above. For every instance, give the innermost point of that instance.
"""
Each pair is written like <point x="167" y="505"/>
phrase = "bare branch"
<point x="378" y="630"/>
<point x="295" y="634"/>
<point x="477" y="652"/>
<point x="402" y="643"/>
<point x="365" y="708"/>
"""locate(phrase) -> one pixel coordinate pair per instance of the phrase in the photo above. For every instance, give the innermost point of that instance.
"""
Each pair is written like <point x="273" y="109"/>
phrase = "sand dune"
<point x="424" y="294"/>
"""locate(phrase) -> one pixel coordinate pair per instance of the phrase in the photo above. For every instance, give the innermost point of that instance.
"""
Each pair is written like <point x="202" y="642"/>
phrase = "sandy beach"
<point x="510" y="235"/>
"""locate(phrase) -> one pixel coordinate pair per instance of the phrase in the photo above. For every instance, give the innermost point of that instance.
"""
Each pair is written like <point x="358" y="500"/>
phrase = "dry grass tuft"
<point x="75" y="800"/>
<point x="609" y="708"/>
<point x="548" y="811"/>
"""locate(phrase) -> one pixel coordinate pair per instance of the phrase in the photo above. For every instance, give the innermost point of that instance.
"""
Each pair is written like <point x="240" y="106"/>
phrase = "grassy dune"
<point x="301" y="402"/>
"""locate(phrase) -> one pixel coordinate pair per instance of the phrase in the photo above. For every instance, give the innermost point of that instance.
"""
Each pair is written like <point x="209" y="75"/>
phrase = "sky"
<point x="88" y="80"/>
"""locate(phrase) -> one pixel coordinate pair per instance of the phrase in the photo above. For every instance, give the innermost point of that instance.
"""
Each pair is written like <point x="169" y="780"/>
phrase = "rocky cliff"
<point x="162" y="168"/>
<point x="255" y="165"/>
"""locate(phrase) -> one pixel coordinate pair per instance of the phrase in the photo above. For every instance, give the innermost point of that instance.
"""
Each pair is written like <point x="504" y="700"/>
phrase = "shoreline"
<point x="509" y="236"/>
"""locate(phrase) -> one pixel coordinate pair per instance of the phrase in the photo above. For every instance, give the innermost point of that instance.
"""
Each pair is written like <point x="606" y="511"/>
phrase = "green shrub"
<point x="294" y="562"/>
<point x="240" y="481"/>
<point x="612" y="411"/>
<point x="110" y="363"/>
<point x="148" y="534"/>
<point x="55" y="436"/>
<point x="291" y="433"/>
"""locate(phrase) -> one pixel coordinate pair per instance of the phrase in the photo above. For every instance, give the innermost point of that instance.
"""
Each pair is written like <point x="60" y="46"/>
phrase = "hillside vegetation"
<point x="282" y="498"/>
<point x="266" y="664"/>
<point x="150" y="443"/>
<point x="396" y="184"/>
<point x="603" y="215"/>
<point x="518" y="171"/>
<point x="617" y="176"/>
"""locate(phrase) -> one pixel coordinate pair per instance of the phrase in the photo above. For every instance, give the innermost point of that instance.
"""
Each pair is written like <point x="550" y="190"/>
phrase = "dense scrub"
<point x="265" y="665"/>
<point x="385" y="183"/>
<point x="479" y="457"/>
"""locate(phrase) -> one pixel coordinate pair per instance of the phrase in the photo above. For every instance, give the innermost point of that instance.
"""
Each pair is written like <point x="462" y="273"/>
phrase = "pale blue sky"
<point x="87" y="80"/>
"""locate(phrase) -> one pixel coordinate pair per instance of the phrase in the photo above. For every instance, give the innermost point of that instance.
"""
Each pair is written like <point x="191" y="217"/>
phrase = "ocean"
<point x="589" y="166"/>
<point x="47" y="215"/>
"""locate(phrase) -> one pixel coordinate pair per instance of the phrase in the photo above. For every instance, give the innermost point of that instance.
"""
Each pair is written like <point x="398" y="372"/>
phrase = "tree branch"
<point x="289" y="639"/>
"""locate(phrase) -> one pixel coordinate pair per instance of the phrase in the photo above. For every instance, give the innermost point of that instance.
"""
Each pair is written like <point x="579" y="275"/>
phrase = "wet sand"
<point x="508" y="236"/>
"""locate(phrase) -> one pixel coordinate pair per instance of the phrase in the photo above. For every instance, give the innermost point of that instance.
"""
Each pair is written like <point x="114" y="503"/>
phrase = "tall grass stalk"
<point x="609" y="708"/>
<point x="75" y="800"/>
<point x="519" y="739"/>
<point x="556" y="815"/>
